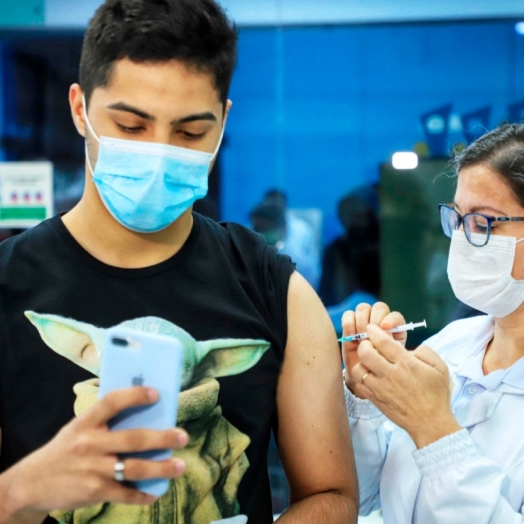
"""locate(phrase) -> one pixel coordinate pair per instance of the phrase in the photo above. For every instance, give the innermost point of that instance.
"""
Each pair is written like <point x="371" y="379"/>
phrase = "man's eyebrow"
<point x="122" y="106"/>
<point x="192" y="118"/>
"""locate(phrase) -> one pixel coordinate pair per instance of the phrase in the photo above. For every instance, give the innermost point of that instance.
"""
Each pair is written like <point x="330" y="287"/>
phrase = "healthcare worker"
<point x="438" y="432"/>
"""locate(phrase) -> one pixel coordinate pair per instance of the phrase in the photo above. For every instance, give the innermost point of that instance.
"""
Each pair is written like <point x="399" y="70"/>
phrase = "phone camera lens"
<point x="122" y="342"/>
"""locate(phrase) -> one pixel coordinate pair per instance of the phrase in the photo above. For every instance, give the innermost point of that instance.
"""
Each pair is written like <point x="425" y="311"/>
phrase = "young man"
<point x="152" y="105"/>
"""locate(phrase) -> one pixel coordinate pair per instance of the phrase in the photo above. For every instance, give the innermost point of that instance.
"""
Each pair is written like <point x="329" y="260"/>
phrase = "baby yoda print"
<point x="215" y="457"/>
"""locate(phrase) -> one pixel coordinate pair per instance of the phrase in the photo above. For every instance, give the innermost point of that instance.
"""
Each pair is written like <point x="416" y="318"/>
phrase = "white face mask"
<point x="481" y="276"/>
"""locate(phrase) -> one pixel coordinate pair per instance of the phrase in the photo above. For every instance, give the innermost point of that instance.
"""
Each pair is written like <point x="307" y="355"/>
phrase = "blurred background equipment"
<point x="295" y="232"/>
<point x="351" y="263"/>
<point x="270" y="221"/>
<point x="414" y="251"/>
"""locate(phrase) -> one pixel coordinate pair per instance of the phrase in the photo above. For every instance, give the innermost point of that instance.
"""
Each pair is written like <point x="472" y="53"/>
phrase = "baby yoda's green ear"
<point x="225" y="357"/>
<point x="72" y="339"/>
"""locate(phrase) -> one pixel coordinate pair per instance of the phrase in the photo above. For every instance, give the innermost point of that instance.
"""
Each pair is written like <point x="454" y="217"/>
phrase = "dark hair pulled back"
<point x="503" y="151"/>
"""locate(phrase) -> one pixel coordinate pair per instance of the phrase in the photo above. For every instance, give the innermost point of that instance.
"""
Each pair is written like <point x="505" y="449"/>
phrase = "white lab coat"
<point x="475" y="476"/>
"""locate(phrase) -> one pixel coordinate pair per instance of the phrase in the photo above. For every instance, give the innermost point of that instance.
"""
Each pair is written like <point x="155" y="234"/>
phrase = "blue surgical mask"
<point x="146" y="186"/>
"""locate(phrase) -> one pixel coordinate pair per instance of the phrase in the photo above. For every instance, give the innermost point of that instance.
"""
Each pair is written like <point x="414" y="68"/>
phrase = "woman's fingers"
<point x="357" y="321"/>
<point x="362" y="317"/>
<point x="359" y="376"/>
<point x="391" y="350"/>
<point x="379" y="311"/>
<point x="348" y="323"/>
<point x="349" y="349"/>
<point x="372" y="359"/>
<point x="392" y="320"/>
<point x="366" y="314"/>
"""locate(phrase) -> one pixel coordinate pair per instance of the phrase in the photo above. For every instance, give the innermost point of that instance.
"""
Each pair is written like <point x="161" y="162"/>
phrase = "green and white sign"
<point x="26" y="193"/>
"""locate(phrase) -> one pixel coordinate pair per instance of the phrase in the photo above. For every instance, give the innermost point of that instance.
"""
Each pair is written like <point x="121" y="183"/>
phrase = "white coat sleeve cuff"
<point x="358" y="408"/>
<point x="450" y="452"/>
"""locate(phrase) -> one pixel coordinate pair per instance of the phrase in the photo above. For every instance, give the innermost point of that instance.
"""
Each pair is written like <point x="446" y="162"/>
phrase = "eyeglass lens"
<point x="476" y="227"/>
<point x="449" y="219"/>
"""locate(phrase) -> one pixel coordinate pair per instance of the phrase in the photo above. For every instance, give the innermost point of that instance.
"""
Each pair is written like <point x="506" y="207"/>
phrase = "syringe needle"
<point x="398" y="329"/>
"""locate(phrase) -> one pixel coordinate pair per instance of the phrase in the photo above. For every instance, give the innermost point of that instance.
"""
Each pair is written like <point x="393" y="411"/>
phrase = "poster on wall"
<point x="26" y="193"/>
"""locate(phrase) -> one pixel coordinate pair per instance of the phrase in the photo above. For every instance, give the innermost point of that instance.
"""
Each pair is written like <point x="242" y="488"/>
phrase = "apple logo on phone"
<point x="138" y="380"/>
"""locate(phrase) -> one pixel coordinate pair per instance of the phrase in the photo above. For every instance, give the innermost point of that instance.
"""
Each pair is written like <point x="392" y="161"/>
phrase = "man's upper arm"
<point x="313" y="432"/>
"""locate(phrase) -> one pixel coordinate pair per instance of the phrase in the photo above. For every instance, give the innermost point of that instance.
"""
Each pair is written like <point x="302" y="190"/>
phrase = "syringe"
<point x="398" y="329"/>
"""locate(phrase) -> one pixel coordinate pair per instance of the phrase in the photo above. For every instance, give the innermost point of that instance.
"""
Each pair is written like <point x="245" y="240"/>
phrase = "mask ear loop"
<point x="91" y="130"/>
<point x="219" y="144"/>
<point x="220" y="141"/>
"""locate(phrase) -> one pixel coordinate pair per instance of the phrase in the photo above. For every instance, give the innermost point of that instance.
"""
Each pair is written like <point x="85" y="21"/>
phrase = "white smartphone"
<point x="133" y="358"/>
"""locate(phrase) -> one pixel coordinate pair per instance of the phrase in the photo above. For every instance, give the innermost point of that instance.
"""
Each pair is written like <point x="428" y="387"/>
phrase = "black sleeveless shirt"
<point x="225" y="283"/>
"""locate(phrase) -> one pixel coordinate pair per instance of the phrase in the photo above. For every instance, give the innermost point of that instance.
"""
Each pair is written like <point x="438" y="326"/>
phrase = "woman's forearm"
<point x="434" y="431"/>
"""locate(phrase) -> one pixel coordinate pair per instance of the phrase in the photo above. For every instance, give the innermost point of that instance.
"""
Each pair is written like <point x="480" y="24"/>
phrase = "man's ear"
<point x="72" y="339"/>
<point x="76" y="103"/>
<point x="227" y="108"/>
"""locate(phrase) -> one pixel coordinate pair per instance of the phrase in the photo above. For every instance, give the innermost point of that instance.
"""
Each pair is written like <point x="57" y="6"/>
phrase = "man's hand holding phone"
<point x="77" y="467"/>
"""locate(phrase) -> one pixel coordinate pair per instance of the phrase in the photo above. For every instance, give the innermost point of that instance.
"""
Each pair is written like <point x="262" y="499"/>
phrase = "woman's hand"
<point x="356" y="322"/>
<point x="410" y="387"/>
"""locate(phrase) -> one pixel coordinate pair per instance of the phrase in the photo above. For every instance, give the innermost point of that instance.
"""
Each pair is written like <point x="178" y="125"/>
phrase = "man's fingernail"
<point x="152" y="394"/>
<point x="183" y="439"/>
<point x="180" y="466"/>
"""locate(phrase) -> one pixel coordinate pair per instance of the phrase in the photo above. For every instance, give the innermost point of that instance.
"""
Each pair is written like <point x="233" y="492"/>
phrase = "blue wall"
<point x="316" y="110"/>
<point x="22" y="13"/>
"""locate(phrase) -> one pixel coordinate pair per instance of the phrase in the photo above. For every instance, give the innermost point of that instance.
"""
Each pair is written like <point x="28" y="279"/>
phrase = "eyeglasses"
<point x="477" y="226"/>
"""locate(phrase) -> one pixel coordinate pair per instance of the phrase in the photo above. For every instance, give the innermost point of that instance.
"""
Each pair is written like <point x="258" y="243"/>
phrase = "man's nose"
<point x="163" y="136"/>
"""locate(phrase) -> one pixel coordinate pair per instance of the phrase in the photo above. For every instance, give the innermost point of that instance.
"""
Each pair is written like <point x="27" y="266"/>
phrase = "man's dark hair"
<point x="503" y="151"/>
<point x="196" y="32"/>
